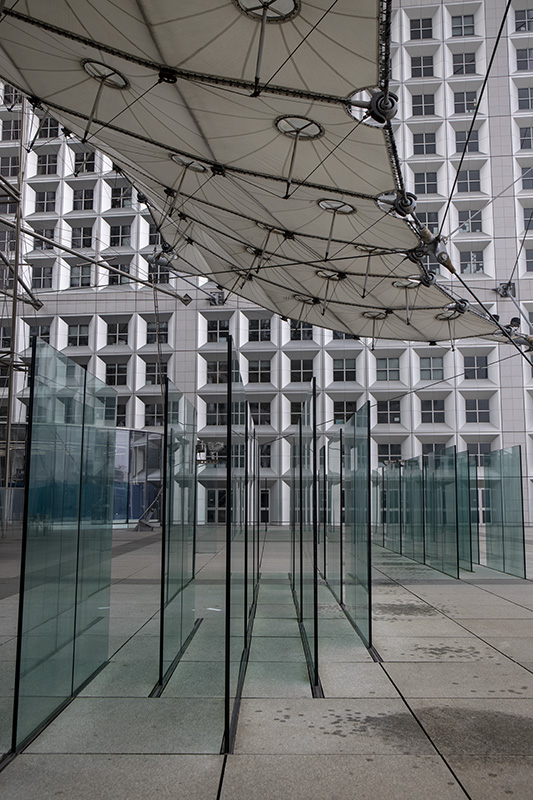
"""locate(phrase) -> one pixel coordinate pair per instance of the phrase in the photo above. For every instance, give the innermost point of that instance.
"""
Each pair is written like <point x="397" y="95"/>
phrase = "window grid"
<point x="470" y="221"/>
<point x="116" y="374"/>
<point x="344" y="369"/>
<point x="524" y="59"/>
<point x="296" y="411"/>
<point x="478" y="450"/>
<point x="216" y="414"/>
<point x="343" y="410"/>
<point x="464" y="63"/>
<point x="80" y="275"/>
<point x="156" y="373"/>
<point x="477" y="409"/>
<point x="425" y="183"/>
<point x="301" y="370"/>
<point x="388" y="369"/>
<point x="525" y="98"/>
<point x="432" y="411"/>
<point x="9" y="166"/>
<point x="217" y="330"/>
<point x="259" y="330"/>
<point x="217" y="372"/>
<point x="121" y="197"/>
<point x="48" y="128"/>
<point x="469" y="180"/>
<point x="115" y="279"/>
<point x="47" y="164"/>
<point x="157" y="332"/>
<point x="463" y="25"/>
<point x="464" y="102"/>
<point x="430" y="219"/>
<point x="117" y="333"/>
<point x="471" y="261"/>
<point x="476" y="368"/>
<point x="265" y="456"/>
<point x="41" y="277"/>
<point x="461" y="141"/>
<point x="153" y="414"/>
<point x="424" y="144"/>
<point x="83" y="199"/>
<point x="421" y="66"/>
<point x="11" y="130"/>
<point x="260" y="413"/>
<point x="527" y="178"/>
<point x="259" y="371"/>
<point x="82" y="237"/>
<point x="431" y="368"/>
<point x="39" y="244"/>
<point x="389" y="412"/>
<point x="422" y="28"/>
<point x="423" y="105"/>
<point x="389" y="452"/>
<point x="78" y="335"/>
<point x="41" y="332"/>
<point x="119" y="235"/>
<point x="301" y="331"/>
<point x="84" y="162"/>
<point x="45" y="201"/>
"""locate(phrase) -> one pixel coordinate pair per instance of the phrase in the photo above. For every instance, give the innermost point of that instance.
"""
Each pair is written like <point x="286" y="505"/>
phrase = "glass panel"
<point x="493" y="508"/>
<point x="357" y="591"/>
<point x="392" y="506"/>
<point x="504" y="522"/>
<point x="335" y="515"/>
<point x="64" y="607"/>
<point x="308" y="551"/>
<point x="474" y="508"/>
<point x="412" y="510"/>
<point x="464" y="531"/>
<point x="441" y="512"/>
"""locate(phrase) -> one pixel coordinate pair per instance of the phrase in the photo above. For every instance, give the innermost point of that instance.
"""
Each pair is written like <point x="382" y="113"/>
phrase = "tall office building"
<point x="476" y="394"/>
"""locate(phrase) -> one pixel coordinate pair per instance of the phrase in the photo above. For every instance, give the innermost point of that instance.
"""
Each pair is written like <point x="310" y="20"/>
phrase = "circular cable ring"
<point x="104" y="74"/>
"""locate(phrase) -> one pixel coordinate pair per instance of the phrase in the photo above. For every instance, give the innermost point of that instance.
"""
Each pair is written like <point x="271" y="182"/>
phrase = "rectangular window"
<point x="526" y="139"/>
<point x="301" y="331"/>
<point x="120" y="235"/>
<point x="11" y="96"/>
<point x="343" y="410"/>
<point x="154" y="235"/>
<point x="115" y="279"/>
<point x="423" y="105"/>
<point x="116" y="374"/>
<point x="48" y="128"/>
<point x="524" y="59"/>
<point x="476" y="368"/>
<point x="82" y="237"/>
<point x="117" y="333"/>
<point x="525" y="98"/>
<point x="8" y="241"/>
<point x="121" y="197"/>
<point x="121" y="415"/>
<point x="259" y="371"/>
<point x="421" y="66"/>
<point x="478" y="450"/>
<point x="425" y="182"/>
<point x="217" y="330"/>
<point x="41" y="332"/>
<point x="388" y="369"/>
<point x="158" y="271"/>
<point x="296" y="411"/>
<point x="469" y="180"/>
<point x="528" y="219"/>
<point x="461" y="143"/>
<point x="477" y="409"/>
<point x="84" y="162"/>
<point x="156" y="373"/>
<point x="78" y="336"/>
<point x="7" y="205"/>
<point x="430" y="219"/>
<point x="9" y="166"/>
<point x="153" y="414"/>
<point x="83" y="199"/>
<point x="432" y="411"/>
<point x="80" y="275"/>
<point x="47" y="164"/>
<point x="464" y="102"/>
<point x="421" y="28"/>
<point x="464" y="63"/>
<point x="259" y="330"/>
<point x="216" y="414"/>
<point x="470" y="221"/>
<point x="344" y="369"/>
<point x="529" y="260"/>
<point x="431" y="368"/>
<point x="39" y="244"/>
<point x="265" y="456"/>
<point x="389" y="452"/>
<point x="41" y="277"/>
<point x="157" y="332"/>
<point x="260" y="413"/>
<point x="301" y="370"/>
<point x="342" y="335"/>
<point x="527" y="178"/>
<point x="432" y="447"/>
<point x="463" y="25"/>
<point x="389" y="412"/>
<point x="11" y="130"/>
<point x="424" y="144"/>
<point x="45" y="201"/>
<point x="471" y="261"/>
<point x="217" y="372"/>
<point x="524" y="20"/>
<point x="5" y="336"/>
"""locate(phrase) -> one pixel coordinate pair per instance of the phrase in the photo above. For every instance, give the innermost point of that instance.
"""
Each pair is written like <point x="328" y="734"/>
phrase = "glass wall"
<point x="412" y="509"/>
<point x="464" y="520"/>
<point x="392" y="478"/>
<point x="504" y="522"/>
<point x="335" y="516"/>
<point x="64" y="607"/>
<point x="442" y="550"/>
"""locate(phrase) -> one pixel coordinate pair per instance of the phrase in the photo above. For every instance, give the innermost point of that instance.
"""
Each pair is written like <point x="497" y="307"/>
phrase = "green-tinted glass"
<point x="504" y="522"/>
<point x="412" y="510"/>
<point x="464" y="523"/>
<point x="441" y="512"/>
<point x="335" y="516"/>
<point x="474" y="508"/>
<point x="308" y="550"/>
<point x="392" y="505"/>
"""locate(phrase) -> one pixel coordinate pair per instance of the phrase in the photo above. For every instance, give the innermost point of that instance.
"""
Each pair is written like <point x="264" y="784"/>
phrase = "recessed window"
<point x="301" y="331"/>
<point x="432" y="411"/>
<point x="469" y="180"/>
<point x="8" y="241"/>
<point x="119" y="235"/>
<point x="343" y="410"/>
<point x="12" y="97"/>
<point x="431" y="368"/>
<point x="525" y="98"/>
<point x="432" y="447"/>
<point x="116" y="374"/>
<point x="301" y="370"/>
<point x="526" y="138"/>
<point x="80" y="275"/>
<point x="529" y="260"/>
<point x="388" y="369"/>
<point x="464" y="102"/>
<point x="117" y="333"/>
<point x="121" y="197"/>
<point x="82" y="237"/>
<point x="158" y="271"/>
<point x="157" y="332"/>
<point x="476" y="368"/>
<point x="41" y="277"/>
<point x="344" y="369"/>
<point x="216" y="414"/>
<point x="48" y="128"/>
<point x="259" y="371"/>
<point x="527" y="178"/>
<point x="78" y="336"/>
<point x="478" y="450"/>
<point x="421" y="28"/>
<point x="9" y="166"/>
<point x="121" y="415"/>
<point x="40" y="244"/>
<point x="265" y="456"/>
<point x="477" y="409"/>
<point x="217" y="372"/>
<point x="423" y="105"/>
<point x="430" y="219"/>
<point x="424" y="144"/>
<point x="425" y="182"/>
<point x="156" y="373"/>
<point x="463" y="25"/>
<point x="471" y="261"/>
<point x="461" y="138"/>
<point x="83" y="199"/>
<point x="153" y="414"/>
<point x="524" y="20"/>
<point x="470" y="221"/>
<point x="115" y="279"/>
<point x="389" y="452"/>
<point x="260" y="413"/>
<point x="259" y="330"/>
<point x="342" y="335"/>
<point x="389" y="412"/>
<point x="296" y="411"/>
<point x="47" y="164"/>
<point x="464" y="63"/>
<point x="84" y="162"/>
<point x="524" y="59"/>
<point x="45" y="201"/>
<point x="421" y="66"/>
<point x="217" y="330"/>
<point x="11" y="130"/>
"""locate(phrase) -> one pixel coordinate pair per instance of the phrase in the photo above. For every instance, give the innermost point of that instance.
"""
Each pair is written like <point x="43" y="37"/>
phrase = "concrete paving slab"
<point x="468" y="680"/>
<point x="126" y="777"/>
<point x="518" y="648"/>
<point x="265" y="626"/>
<point x="427" y="648"/>
<point x="515" y="628"/>
<point x="271" y="648"/>
<point x="275" y="679"/>
<point x="494" y="776"/>
<point x="276" y="611"/>
<point x="329" y="726"/>
<point x="196" y="679"/>
<point x="343" y="648"/>
<point x="136" y="679"/>
<point x="139" y="725"/>
<point x="432" y="625"/>
<point x="478" y="727"/>
<point x="284" y="777"/>
<point x="355" y="680"/>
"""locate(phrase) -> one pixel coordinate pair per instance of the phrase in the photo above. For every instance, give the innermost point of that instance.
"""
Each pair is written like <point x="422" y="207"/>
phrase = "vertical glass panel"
<point x="335" y="516"/>
<point x="295" y="511"/>
<point x="412" y="510"/>
<point x="177" y="611"/>
<point x="493" y="509"/>
<point x="322" y="511"/>
<point x="504" y="522"/>
<point x="441" y="512"/>
<point x="474" y="507"/>
<point x="464" y="531"/>
<point x="95" y="530"/>
<point x="357" y="591"/>
<point x="122" y="469"/>
<point x="308" y="584"/>
<point x="392" y="506"/>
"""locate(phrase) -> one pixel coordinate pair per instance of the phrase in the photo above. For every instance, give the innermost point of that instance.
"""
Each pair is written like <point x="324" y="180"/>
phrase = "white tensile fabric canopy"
<point x="258" y="133"/>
